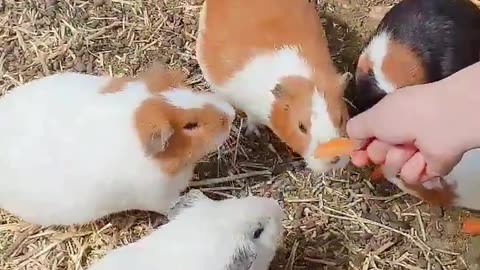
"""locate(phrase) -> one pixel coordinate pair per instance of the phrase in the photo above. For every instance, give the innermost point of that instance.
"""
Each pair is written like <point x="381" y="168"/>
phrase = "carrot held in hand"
<point x="341" y="147"/>
<point x="471" y="226"/>
<point x="334" y="148"/>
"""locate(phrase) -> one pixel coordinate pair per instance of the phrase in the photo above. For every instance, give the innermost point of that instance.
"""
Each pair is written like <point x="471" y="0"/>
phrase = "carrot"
<point x="471" y="226"/>
<point x="334" y="148"/>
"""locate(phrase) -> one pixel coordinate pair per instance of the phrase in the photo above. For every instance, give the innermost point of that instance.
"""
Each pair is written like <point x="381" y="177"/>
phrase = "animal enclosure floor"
<point x="338" y="220"/>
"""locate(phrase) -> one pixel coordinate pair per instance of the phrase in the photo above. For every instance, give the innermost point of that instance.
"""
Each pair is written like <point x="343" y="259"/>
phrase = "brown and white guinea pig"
<point x="77" y="147"/>
<point x="420" y="42"/>
<point x="417" y="42"/>
<point x="270" y="59"/>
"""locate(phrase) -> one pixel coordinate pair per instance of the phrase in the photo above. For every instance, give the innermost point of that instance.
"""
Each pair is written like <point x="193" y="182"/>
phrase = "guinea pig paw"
<point x="185" y="201"/>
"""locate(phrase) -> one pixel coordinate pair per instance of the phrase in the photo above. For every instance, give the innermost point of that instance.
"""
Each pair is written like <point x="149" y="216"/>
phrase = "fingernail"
<point x="359" y="144"/>
<point x="388" y="172"/>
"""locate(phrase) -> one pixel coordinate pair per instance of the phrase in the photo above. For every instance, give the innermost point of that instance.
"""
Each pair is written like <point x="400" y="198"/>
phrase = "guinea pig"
<point x="417" y="42"/>
<point x="270" y="59"/>
<point x="420" y="42"/>
<point x="77" y="147"/>
<point x="230" y="234"/>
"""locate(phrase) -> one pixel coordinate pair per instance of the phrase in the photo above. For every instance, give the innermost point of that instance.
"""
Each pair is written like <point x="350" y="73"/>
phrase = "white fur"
<point x="322" y="131"/>
<point x="377" y="50"/>
<point x="183" y="98"/>
<point x="204" y="236"/>
<point x="250" y="90"/>
<point x="71" y="154"/>
<point x="464" y="178"/>
<point x="201" y="23"/>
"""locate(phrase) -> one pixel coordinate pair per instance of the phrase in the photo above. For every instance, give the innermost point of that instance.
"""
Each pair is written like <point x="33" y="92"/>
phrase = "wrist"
<point x="462" y="91"/>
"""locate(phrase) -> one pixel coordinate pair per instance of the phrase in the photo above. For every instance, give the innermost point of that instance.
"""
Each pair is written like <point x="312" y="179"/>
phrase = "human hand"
<point x="419" y="131"/>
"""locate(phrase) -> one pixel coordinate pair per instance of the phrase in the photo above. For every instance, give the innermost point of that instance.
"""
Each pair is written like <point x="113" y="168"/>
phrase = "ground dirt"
<point x="339" y="220"/>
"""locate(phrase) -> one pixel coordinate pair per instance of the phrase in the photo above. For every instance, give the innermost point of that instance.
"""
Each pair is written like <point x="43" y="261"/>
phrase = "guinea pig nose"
<point x="335" y="160"/>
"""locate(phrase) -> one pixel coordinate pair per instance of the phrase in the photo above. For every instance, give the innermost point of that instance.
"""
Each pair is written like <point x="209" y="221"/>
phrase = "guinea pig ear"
<point x="278" y="91"/>
<point x="242" y="259"/>
<point x="187" y="200"/>
<point x="158" y="77"/>
<point x="159" y="139"/>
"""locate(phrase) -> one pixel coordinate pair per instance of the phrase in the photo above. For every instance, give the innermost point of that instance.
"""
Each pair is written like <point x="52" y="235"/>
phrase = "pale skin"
<point x="421" y="131"/>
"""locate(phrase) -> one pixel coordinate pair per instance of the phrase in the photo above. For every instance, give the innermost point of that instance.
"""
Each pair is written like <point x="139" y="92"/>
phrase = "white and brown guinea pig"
<point x="77" y="147"/>
<point x="270" y="59"/>
<point x="203" y="234"/>
<point x="417" y="42"/>
<point x="420" y="42"/>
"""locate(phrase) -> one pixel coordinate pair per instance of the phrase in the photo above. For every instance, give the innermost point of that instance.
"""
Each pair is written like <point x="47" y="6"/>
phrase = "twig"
<point x="293" y="254"/>
<point x="232" y="178"/>
<point x="420" y="223"/>
<point x="320" y="261"/>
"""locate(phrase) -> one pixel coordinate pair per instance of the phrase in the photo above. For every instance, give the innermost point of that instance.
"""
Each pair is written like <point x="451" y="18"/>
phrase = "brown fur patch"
<point x="236" y="30"/>
<point x="184" y="147"/>
<point x="159" y="79"/>
<point x="156" y="78"/>
<point x="402" y="67"/>
<point x="115" y="85"/>
<point x="293" y="93"/>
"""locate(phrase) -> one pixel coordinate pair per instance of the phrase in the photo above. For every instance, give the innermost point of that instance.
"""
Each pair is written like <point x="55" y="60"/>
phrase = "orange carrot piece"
<point x="471" y="226"/>
<point x="334" y="148"/>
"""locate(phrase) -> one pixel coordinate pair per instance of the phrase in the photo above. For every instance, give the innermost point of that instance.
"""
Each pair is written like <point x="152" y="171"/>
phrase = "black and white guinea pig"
<point x="416" y="42"/>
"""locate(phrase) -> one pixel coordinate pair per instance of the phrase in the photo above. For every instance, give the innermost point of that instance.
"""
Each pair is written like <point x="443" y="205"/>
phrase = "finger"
<point x="396" y="157"/>
<point x="360" y="144"/>
<point x="359" y="158"/>
<point x="377" y="151"/>
<point x="359" y="127"/>
<point x="441" y="166"/>
<point x="413" y="169"/>
<point x="424" y="177"/>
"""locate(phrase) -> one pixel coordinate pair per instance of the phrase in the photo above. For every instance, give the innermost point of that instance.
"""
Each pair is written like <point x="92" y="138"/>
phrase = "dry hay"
<point x="338" y="220"/>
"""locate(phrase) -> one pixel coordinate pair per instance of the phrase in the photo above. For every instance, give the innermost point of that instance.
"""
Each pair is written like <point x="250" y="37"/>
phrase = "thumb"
<point x="359" y="127"/>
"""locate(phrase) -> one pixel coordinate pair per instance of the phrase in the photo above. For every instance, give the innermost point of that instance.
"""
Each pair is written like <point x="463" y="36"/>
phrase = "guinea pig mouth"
<point x="325" y="165"/>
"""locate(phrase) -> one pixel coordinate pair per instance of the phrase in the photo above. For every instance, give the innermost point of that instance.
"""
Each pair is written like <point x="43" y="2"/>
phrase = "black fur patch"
<point x="444" y="33"/>
<point x="242" y="259"/>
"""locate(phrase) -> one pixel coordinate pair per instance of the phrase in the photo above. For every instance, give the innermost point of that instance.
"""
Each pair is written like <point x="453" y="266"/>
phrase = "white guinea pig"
<point x="420" y="42"/>
<point x="270" y="59"/>
<point x="231" y="234"/>
<point x="76" y="147"/>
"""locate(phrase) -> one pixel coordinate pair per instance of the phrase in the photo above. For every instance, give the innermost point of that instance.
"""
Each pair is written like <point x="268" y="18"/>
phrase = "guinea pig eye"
<point x="190" y="125"/>
<point x="258" y="233"/>
<point x="302" y="128"/>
